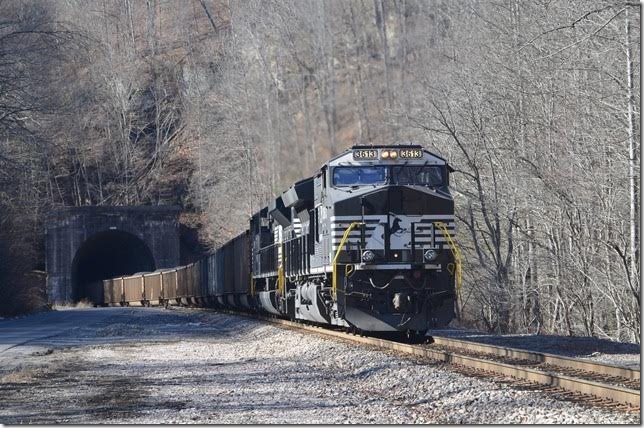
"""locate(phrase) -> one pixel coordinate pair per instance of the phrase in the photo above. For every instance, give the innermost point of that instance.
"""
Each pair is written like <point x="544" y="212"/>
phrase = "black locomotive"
<point x="367" y="243"/>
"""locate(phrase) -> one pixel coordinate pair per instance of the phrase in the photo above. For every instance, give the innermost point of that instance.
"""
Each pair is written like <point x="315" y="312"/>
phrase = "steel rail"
<point x="540" y="357"/>
<point x="576" y="385"/>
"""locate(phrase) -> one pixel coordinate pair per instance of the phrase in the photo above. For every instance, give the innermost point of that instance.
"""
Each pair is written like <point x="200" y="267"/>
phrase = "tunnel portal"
<point x="87" y="244"/>
<point x="105" y="255"/>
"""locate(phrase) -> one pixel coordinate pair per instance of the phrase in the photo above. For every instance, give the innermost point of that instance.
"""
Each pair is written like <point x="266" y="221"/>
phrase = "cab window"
<point x="417" y="175"/>
<point x="359" y="175"/>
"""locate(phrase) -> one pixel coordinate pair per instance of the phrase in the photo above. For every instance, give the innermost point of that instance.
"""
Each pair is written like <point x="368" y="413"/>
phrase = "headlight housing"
<point x="430" y="255"/>
<point x="368" y="256"/>
<point x="389" y="154"/>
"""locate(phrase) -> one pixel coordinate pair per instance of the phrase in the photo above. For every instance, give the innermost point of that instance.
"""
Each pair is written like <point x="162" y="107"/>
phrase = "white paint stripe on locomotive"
<point x="356" y="218"/>
<point x="367" y="220"/>
<point x="336" y="226"/>
<point x="370" y="232"/>
<point x="380" y="218"/>
<point x="416" y="237"/>
<point x="344" y="226"/>
<point x="420" y="226"/>
<point x="384" y="216"/>
<point x="266" y="275"/>
<point x="370" y="226"/>
<point x="419" y="245"/>
<point x="355" y="242"/>
<point x="382" y="267"/>
<point x="429" y="238"/>
<point x="340" y="231"/>
<point x="428" y="230"/>
<point x="323" y="269"/>
<point x="363" y="266"/>
<point x="424" y="222"/>
<point x="438" y="232"/>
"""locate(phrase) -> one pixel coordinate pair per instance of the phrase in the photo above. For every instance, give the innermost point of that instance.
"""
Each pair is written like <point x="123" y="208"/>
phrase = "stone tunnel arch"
<point x="107" y="254"/>
<point x="125" y="231"/>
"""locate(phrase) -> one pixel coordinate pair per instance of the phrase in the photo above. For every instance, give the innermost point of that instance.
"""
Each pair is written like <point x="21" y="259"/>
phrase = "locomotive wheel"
<point x="355" y="331"/>
<point x="417" y="337"/>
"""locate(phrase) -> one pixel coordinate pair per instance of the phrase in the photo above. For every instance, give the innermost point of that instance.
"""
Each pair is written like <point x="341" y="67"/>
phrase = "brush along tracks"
<point x="561" y="377"/>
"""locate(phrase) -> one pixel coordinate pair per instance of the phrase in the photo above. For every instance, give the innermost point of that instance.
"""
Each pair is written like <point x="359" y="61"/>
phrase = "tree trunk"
<point x="632" y="173"/>
<point x="381" y="23"/>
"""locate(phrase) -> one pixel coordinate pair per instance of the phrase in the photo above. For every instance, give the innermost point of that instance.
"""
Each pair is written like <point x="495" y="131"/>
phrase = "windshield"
<point x="420" y="175"/>
<point x="359" y="175"/>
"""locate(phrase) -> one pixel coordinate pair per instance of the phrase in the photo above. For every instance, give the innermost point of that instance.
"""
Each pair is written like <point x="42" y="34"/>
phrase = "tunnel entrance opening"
<point x="105" y="255"/>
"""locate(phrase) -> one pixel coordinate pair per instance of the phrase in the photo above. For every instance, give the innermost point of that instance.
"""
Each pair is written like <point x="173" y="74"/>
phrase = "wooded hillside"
<point x="219" y="105"/>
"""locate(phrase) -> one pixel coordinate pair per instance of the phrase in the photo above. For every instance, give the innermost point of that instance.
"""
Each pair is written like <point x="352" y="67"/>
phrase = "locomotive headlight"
<point x="431" y="255"/>
<point x="393" y="154"/>
<point x="368" y="256"/>
<point x="384" y="154"/>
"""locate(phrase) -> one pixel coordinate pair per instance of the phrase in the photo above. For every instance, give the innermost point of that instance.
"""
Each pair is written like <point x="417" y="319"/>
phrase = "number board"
<point x="365" y="154"/>
<point x="411" y="154"/>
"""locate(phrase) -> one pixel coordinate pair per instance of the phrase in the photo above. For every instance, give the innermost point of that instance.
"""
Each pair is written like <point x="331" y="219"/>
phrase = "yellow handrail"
<point x="281" y="281"/>
<point x="457" y="257"/>
<point x="348" y="269"/>
<point x="334" y="285"/>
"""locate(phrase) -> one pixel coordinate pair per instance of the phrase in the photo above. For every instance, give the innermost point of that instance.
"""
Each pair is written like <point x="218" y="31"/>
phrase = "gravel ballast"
<point x="148" y="365"/>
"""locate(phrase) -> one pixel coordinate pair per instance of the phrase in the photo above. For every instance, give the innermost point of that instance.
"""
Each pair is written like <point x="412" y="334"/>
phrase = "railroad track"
<point x="573" y="367"/>
<point x="567" y="378"/>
